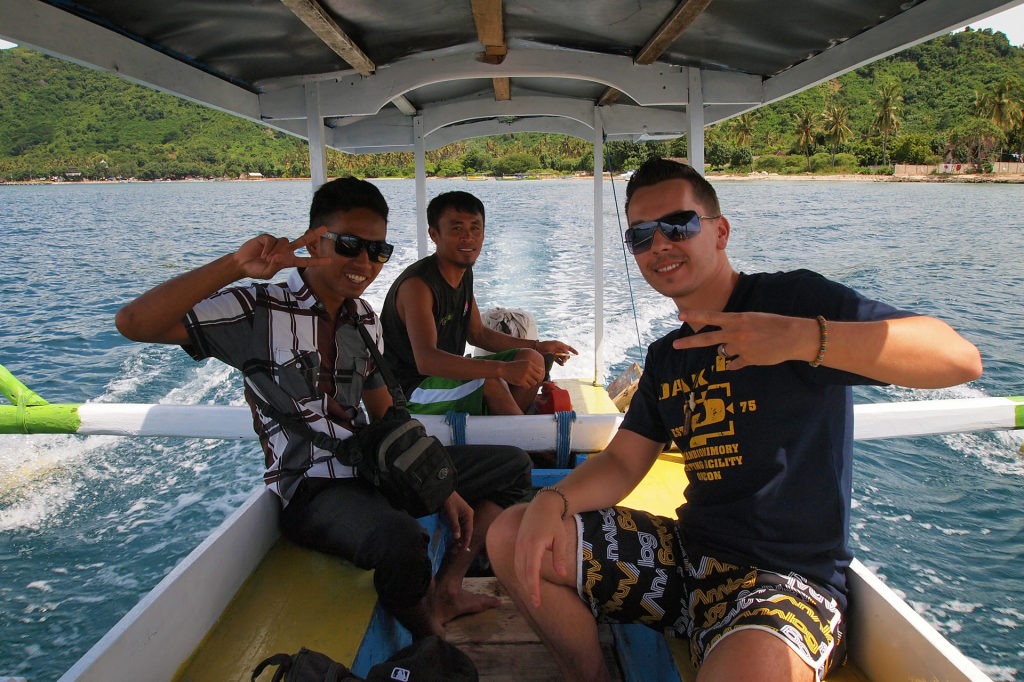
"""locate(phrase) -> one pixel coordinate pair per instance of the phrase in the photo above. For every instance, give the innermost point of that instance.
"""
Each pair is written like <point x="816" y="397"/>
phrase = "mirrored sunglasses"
<point x="676" y="227"/>
<point x="349" y="245"/>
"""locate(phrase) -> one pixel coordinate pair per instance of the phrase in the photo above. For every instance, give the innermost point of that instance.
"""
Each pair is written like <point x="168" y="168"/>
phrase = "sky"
<point x="1010" y="22"/>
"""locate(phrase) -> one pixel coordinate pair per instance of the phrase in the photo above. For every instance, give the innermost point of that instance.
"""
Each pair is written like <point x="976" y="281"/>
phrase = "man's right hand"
<point x="522" y="373"/>
<point x="156" y="316"/>
<point x="265" y="255"/>
<point x="542" y="530"/>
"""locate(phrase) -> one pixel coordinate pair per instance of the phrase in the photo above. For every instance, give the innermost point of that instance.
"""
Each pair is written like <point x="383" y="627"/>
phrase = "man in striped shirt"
<point x="306" y="370"/>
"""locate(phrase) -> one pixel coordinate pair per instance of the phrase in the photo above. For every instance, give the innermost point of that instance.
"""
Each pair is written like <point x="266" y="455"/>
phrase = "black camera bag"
<point x="395" y="453"/>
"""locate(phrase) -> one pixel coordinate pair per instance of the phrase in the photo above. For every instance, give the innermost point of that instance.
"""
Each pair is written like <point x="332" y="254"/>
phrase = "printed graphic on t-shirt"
<point x="706" y="436"/>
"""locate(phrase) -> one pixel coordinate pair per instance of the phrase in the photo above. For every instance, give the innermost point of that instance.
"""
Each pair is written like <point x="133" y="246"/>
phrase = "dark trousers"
<point x="349" y="518"/>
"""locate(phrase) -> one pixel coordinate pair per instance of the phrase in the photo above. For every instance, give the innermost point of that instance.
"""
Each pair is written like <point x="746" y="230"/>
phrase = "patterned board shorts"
<point x="632" y="569"/>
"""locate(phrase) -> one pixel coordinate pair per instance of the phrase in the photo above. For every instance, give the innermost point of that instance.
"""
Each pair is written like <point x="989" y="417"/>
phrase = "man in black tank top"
<point x="430" y="313"/>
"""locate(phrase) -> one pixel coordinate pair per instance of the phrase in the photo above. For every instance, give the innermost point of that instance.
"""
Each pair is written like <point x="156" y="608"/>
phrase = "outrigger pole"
<point x="29" y="413"/>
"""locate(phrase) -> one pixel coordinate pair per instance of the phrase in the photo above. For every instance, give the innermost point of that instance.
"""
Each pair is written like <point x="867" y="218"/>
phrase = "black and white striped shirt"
<point x="281" y="338"/>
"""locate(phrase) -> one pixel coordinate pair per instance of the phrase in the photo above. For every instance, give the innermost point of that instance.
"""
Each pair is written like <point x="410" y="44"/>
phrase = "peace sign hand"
<point x="265" y="255"/>
<point x="752" y="338"/>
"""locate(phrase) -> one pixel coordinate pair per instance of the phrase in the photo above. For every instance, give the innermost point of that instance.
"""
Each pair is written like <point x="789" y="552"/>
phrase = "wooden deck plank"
<point x="501" y="625"/>
<point x="504" y="647"/>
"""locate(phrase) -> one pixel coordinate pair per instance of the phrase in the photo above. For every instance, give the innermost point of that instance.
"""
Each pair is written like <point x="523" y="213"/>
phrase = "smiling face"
<point x="690" y="271"/>
<point x="459" y="236"/>
<point x="346" y="277"/>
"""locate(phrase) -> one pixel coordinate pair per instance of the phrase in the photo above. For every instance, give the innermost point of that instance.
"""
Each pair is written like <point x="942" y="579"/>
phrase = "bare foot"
<point x="448" y="606"/>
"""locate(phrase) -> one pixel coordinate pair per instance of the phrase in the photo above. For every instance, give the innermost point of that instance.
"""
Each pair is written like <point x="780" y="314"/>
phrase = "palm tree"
<point x="806" y="128"/>
<point x="743" y="129"/>
<point x="836" y="127"/>
<point x="1004" y="106"/>
<point x="982" y="104"/>
<point x="887" y="112"/>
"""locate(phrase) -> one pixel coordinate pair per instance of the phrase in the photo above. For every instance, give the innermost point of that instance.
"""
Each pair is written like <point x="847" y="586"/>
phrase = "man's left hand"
<point x="745" y="339"/>
<point x="459" y="515"/>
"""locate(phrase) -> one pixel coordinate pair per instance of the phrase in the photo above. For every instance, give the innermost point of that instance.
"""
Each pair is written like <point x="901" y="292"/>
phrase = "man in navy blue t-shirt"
<point x="755" y="390"/>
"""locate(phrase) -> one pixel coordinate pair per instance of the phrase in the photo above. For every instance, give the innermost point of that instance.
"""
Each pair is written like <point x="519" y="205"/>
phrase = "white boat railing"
<point x="590" y="432"/>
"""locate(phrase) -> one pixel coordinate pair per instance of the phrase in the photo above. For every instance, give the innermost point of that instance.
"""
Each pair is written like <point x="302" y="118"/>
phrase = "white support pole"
<point x="598" y="248"/>
<point x="695" y="114"/>
<point x="421" y="187"/>
<point x="315" y="135"/>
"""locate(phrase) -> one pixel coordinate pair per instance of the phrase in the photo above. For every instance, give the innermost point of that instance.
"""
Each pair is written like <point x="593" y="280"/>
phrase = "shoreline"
<point x="991" y="178"/>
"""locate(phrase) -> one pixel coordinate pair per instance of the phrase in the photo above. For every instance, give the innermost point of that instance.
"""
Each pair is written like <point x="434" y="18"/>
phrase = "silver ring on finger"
<point x="722" y="352"/>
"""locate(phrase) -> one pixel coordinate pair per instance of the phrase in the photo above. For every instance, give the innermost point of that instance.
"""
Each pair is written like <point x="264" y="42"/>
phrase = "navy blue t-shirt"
<point x="767" y="449"/>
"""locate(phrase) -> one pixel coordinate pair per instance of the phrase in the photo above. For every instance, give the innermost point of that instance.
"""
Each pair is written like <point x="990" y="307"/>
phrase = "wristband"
<point x="556" y="489"/>
<point x="822" y="342"/>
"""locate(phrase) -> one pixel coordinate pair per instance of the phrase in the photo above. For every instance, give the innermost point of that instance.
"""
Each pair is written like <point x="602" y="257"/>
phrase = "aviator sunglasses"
<point x="349" y="245"/>
<point x="676" y="227"/>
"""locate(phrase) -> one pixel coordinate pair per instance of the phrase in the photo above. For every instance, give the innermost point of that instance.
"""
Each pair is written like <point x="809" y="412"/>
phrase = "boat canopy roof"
<point x="379" y="74"/>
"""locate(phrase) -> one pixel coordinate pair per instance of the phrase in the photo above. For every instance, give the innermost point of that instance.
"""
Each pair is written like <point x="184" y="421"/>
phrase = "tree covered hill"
<point x="956" y="94"/>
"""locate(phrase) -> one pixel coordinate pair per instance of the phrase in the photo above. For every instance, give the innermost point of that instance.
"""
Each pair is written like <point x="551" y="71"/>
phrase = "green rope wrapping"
<point x="28" y="413"/>
<point x="47" y="418"/>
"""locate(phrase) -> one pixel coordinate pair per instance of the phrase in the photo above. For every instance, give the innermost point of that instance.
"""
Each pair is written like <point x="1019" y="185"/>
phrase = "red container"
<point x="552" y="399"/>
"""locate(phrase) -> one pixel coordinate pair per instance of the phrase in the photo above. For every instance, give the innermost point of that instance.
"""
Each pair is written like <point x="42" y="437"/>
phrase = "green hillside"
<point x="958" y="96"/>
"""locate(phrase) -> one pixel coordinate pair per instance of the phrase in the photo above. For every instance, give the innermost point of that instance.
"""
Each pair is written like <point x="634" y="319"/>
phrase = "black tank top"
<point x="451" y="319"/>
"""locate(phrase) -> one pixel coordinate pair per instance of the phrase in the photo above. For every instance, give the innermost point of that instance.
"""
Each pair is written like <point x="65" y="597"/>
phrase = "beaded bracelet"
<point x="556" y="489"/>
<point x="823" y="344"/>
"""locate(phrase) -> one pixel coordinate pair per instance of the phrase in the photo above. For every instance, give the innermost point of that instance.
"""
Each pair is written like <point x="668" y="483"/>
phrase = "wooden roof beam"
<point x="315" y="17"/>
<point x="677" y="22"/>
<point x="490" y="28"/>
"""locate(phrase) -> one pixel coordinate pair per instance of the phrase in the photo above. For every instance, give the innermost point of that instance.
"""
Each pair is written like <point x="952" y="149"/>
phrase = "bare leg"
<point x="504" y="399"/>
<point x="754" y="655"/>
<point x="418" y="619"/>
<point x="563" y="622"/>
<point x="499" y="398"/>
<point x="525" y="395"/>
<point x="448" y="597"/>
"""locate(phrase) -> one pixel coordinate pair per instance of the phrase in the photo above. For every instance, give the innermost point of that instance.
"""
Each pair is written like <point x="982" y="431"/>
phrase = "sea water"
<point x="90" y="524"/>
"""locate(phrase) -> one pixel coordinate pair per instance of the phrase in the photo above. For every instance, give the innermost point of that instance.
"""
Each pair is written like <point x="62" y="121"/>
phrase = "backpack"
<point x="426" y="660"/>
<point x="305" y="666"/>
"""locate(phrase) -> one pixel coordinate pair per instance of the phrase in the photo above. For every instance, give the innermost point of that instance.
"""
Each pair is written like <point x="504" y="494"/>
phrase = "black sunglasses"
<point x="677" y="226"/>
<point x="349" y="245"/>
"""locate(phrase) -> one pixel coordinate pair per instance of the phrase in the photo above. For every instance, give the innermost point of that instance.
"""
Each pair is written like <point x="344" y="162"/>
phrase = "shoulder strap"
<point x="290" y="420"/>
<point x="282" y="661"/>
<point x="339" y="446"/>
<point x="397" y="395"/>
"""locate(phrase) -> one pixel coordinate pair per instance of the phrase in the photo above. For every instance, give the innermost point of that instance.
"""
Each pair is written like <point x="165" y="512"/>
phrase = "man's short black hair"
<point x="653" y="171"/>
<point x="460" y="201"/>
<point x="345" y="194"/>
